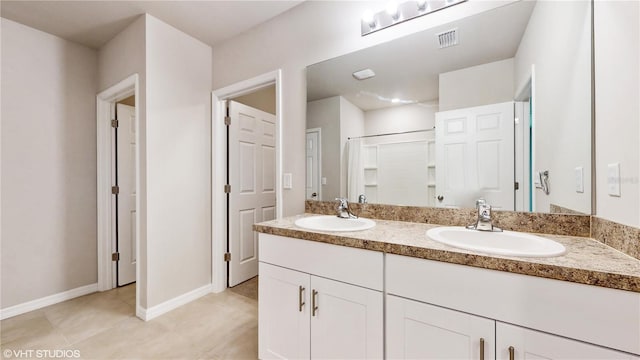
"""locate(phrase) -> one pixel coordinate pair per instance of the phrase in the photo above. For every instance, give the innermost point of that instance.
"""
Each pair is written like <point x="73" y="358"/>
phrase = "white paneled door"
<point x="252" y="178"/>
<point x="126" y="180"/>
<point x="313" y="164"/>
<point x="475" y="156"/>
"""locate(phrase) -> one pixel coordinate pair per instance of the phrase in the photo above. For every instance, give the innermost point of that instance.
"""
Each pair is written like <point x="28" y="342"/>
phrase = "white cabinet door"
<point x="284" y="313"/>
<point x="347" y="321"/>
<point x="417" y="330"/>
<point x="530" y="344"/>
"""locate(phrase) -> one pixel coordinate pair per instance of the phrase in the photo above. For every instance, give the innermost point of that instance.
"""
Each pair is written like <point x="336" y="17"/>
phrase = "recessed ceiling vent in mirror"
<point x="448" y="38"/>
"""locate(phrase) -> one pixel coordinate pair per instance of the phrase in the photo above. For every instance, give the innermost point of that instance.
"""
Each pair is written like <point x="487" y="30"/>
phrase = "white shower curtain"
<point x="355" y="170"/>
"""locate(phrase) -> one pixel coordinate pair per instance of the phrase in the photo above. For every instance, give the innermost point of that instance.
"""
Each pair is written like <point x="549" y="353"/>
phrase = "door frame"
<point x="219" y="165"/>
<point x="527" y="92"/>
<point x="319" y="131"/>
<point x="105" y="105"/>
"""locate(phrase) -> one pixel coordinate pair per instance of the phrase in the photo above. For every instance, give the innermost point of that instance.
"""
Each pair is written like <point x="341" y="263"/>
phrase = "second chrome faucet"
<point x="342" y="210"/>
<point x="483" y="222"/>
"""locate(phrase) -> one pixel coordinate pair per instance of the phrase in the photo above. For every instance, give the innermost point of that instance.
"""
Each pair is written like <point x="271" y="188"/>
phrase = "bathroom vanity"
<point x="390" y="292"/>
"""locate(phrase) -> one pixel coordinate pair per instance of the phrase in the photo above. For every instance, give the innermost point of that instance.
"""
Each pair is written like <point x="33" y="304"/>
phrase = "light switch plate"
<point x="287" y="181"/>
<point x="613" y="179"/>
<point x="579" y="179"/>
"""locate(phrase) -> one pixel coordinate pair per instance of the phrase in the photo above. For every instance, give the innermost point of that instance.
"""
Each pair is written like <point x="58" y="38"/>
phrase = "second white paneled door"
<point x="313" y="165"/>
<point x="126" y="180"/>
<point x="252" y="178"/>
<point x="475" y="156"/>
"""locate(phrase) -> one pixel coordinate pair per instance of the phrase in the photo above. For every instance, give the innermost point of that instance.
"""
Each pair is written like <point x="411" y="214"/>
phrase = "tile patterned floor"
<point x="104" y="326"/>
<point x="248" y="288"/>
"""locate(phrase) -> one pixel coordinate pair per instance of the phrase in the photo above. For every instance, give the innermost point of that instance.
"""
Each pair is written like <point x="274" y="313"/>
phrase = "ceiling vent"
<point x="448" y="38"/>
<point x="364" y="74"/>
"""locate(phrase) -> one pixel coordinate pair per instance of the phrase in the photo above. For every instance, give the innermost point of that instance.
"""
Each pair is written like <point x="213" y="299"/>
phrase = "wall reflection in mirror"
<point x="499" y="108"/>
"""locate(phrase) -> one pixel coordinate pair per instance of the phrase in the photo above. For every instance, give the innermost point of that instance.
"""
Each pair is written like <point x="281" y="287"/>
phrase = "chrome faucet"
<point x="342" y="210"/>
<point x="483" y="223"/>
<point x="362" y="199"/>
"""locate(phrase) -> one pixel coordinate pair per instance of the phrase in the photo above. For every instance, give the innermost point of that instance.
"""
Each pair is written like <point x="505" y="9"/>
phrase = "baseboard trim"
<point x="36" y="304"/>
<point x="176" y="302"/>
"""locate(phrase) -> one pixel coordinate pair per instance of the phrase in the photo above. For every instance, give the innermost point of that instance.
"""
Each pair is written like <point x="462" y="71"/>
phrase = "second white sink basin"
<point x="334" y="223"/>
<point x="508" y="243"/>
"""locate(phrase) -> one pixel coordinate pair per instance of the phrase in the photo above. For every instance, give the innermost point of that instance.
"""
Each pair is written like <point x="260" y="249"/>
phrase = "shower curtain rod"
<point x="396" y="133"/>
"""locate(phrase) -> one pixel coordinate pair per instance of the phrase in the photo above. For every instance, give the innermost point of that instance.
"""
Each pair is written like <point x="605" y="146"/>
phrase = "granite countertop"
<point x="586" y="262"/>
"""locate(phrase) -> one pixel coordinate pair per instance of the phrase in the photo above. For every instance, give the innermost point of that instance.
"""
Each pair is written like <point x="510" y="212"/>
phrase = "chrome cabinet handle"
<point x="300" y="298"/>
<point x="512" y="353"/>
<point x="314" y="307"/>
<point x="481" y="348"/>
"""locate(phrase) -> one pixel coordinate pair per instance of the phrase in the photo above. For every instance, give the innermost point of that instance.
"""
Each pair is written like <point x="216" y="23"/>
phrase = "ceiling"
<point x="408" y="68"/>
<point x="94" y="23"/>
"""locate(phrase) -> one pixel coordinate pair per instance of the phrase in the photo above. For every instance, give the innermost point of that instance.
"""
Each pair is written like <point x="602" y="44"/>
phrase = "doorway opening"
<point x="117" y="185"/>
<point x="247" y="165"/>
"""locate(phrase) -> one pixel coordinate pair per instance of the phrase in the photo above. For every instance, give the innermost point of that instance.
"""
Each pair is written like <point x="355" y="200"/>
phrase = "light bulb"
<point x="395" y="100"/>
<point x="392" y="9"/>
<point x="368" y="19"/>
<point x="422" y="5"/>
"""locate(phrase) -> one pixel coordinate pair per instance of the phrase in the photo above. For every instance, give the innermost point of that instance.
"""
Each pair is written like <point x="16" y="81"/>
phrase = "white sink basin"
<point x="334" y="223"/>
<point x="508" y="243"/>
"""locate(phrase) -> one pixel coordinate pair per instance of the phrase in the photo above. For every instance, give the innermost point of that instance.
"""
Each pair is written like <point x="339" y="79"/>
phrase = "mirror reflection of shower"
<point x="393" y="167"/>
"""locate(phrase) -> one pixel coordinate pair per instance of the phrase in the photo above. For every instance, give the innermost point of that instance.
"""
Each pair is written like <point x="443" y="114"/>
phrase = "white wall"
<point x="121" y="57"/>
<point x="325" y="114"/>
<point x="617" y="63"/>
<point x="558" y="42"/>
<point x="178" y="95"/>
<point x="48" y="164"/>
<point x="331" y="28"/>
<point x="398" y="119"/>
<point x="485" y="84"/>
<point x="351" y="125"/>
<point x="175" y="148"/>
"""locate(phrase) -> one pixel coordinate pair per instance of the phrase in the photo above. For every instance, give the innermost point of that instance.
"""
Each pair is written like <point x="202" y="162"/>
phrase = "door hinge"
<point x="227" y="257"/>
<point x="227" y="189"/>
<point x="115" y="190"/>
<point x="115" y="256"/>
<point x="227" y="120"/>
<point x="114" y="123"/>
<point x="517" y="185"/>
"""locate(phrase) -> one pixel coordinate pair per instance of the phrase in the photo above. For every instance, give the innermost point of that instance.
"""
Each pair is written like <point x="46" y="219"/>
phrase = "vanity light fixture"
<point x="369" y="19"/>
<point x="392" y="10"/>
<point x="363" y="74"/>
<point x="396" y="13"/>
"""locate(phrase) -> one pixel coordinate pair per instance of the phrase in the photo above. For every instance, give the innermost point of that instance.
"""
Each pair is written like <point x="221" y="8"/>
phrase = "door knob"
<point x="314" y="195"/>
<point x="440" y="197"/>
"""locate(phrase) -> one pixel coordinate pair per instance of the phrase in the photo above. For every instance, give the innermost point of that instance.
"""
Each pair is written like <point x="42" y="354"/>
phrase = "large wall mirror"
<point x="494" y="106"/>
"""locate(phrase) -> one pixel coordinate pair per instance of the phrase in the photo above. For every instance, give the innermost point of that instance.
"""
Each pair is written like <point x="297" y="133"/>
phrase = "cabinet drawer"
<point x="597" y="315"/>
<point x="354" y="266"/>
